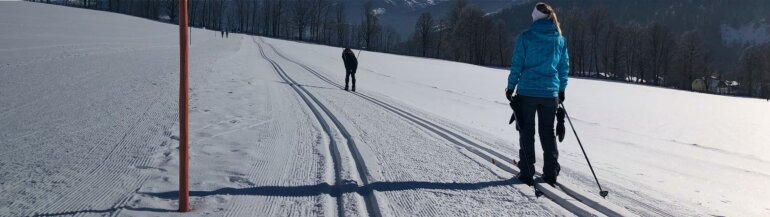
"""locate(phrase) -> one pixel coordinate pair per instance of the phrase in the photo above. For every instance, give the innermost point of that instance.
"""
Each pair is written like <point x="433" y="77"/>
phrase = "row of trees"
<point x="600" y="46"/>
<point x="654" y="55"/>
<point x="647" y="54"/>
<point x="211" y="14"/>
<point x="464" y="34"/>
<point x="321" y="21"/>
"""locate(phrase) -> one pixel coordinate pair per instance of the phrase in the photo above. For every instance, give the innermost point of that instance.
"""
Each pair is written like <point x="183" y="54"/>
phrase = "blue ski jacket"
<point x="540" y="64"/>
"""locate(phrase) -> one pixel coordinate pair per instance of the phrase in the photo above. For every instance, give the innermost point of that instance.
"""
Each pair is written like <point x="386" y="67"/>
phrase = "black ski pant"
<point x="545" y="108"/>
<point x="348" y="74"/>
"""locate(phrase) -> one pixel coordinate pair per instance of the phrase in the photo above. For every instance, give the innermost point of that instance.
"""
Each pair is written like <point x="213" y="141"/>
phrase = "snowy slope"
<point x="661" y="150"/>
<point x="88" y="112"/>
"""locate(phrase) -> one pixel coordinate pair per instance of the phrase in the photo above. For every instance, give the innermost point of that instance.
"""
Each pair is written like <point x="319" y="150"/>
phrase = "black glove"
<point x="509" y="94"/>
<point x="561" y="97"/>
<point x="560" y="131"/>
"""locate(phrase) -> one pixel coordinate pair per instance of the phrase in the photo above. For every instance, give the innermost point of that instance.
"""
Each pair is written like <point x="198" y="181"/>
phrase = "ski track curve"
<point x="266" y="166"/>
<point x="370" y="200"/>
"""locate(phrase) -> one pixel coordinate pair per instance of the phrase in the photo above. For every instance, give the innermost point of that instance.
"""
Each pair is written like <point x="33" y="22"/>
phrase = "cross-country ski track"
<point x="571" y="202"/>
<point x="367" y="188"/>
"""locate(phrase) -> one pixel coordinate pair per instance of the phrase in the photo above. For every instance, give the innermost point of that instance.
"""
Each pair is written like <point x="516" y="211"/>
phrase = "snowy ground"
<point x="88" y="118"/>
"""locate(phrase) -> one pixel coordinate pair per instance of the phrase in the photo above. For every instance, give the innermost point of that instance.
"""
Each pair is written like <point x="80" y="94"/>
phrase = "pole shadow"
<point x="337" y="190"/>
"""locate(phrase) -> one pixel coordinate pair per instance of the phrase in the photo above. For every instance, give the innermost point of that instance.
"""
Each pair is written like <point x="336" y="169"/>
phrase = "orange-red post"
<point x="184" y="191"/>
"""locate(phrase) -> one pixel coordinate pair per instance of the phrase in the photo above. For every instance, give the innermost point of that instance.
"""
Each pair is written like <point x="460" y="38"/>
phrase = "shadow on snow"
<point x="337" y="190"/>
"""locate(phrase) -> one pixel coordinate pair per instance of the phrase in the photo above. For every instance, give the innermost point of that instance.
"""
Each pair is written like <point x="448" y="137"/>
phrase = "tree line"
<point x="600" y="47"/>
<point x="464" y="34"/>
<point x="658" y="43"/>
<point x="653" y="54"/>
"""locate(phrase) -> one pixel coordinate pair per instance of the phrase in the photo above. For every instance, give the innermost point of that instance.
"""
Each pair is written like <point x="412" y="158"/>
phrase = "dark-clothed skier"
<point x="539" y="71"/>
<point x="351" y="64"/>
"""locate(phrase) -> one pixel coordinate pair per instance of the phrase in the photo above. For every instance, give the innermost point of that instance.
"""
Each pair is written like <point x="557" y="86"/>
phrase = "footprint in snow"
<point x="203" y="134"/>
<point x="239" y="180"/>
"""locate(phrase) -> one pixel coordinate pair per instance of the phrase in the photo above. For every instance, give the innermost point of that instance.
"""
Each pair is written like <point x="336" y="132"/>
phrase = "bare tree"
<point x="598" y="20"/>
<point x="339" y="23"/>
<point x="423" y="31"/>
<point x="370" y="24"/>
<point x="390" y="39"/>
<point x="171" y="9"/>
<point x="754" y="70"/>
<point x="501" y="43"/>
<point x="690" y="60"/>
<point x="469" y="34"/>
<point x="300" y="16"/>
<point x="441" y="33"/>
<point x="659" y="46"/>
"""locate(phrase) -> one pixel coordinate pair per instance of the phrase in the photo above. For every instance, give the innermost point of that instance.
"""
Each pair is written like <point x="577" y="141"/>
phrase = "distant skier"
<point x="539" y="71"/>
<point x="351" y="64"/>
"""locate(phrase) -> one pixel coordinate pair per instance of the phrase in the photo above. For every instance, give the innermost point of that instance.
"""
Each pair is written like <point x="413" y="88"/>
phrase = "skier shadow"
<point x="338" y="190"/>
<point x="102" y="211"/>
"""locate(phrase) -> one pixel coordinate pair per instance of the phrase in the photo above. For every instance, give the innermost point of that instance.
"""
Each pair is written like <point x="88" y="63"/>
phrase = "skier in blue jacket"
<point x="539" y="72"/>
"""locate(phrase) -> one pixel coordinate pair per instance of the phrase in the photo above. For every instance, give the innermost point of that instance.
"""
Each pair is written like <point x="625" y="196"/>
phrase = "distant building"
<point x="728" y="87"/>
<point x="712" y="83"/>
<point x="699" y="85"/>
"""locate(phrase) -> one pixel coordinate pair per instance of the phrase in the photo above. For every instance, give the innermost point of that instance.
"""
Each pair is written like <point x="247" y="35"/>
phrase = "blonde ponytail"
<point x="555" y="20"/>
<point x="547" y="9"/>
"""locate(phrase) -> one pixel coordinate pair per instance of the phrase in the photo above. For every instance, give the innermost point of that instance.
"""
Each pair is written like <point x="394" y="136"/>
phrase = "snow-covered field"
<point x="88" y="113"/>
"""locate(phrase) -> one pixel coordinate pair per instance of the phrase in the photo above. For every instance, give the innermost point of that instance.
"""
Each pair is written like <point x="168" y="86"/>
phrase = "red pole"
<point x="184" y="191"/>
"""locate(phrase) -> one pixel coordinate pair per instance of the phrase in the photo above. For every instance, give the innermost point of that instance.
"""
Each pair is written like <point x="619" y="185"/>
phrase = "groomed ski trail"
<point x="332" y="95"/>
<point x="372" y="207"/>
<point x="564" y="195"/>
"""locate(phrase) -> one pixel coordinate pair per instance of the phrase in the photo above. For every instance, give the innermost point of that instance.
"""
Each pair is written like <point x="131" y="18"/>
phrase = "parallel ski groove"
<point x="369" y="198"/>
<point x="90" y="178"/>
<point x="123" y="170"/>
<point x="336" y="159"/>
<point x="441" y="131"/>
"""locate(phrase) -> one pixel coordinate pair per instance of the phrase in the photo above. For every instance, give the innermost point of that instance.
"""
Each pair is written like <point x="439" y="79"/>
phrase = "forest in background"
<point x="606" y="39"/>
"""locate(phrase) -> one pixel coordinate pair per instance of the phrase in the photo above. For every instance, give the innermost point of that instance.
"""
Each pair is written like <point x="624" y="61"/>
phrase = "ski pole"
<point x="603" y="193"/>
